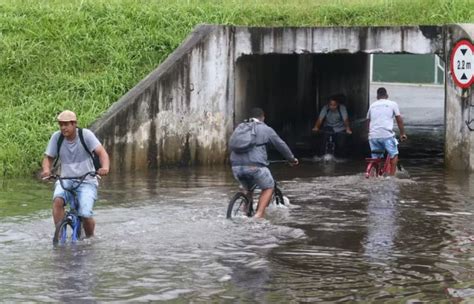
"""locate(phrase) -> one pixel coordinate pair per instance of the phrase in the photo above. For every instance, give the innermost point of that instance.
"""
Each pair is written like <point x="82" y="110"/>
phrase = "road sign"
<point x="462" y="63"/>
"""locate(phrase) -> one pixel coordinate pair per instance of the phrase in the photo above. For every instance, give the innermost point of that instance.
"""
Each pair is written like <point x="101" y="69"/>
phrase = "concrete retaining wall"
<point x="178" y="114"/>
<point x="184" y="111"/>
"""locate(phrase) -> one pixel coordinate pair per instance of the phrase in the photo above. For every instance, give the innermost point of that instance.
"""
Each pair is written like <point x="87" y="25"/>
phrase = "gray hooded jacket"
<point x="258" y="155"/>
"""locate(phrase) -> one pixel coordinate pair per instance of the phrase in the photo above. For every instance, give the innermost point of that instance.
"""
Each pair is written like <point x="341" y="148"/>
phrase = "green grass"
<point x="84" y="55"/>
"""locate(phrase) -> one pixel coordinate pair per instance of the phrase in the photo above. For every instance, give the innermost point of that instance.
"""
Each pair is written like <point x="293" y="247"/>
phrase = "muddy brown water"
<point x="164" y="237"/>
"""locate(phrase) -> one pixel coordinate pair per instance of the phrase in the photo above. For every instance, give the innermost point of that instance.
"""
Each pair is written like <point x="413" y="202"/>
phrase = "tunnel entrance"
<point x="185" y="111"/>
<point x="292" y="89"/>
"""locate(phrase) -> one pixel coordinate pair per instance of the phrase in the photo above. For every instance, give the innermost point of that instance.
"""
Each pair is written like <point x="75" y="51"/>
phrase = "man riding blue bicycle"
<point x="76" y="148"/>
<point x="249" y="158"/>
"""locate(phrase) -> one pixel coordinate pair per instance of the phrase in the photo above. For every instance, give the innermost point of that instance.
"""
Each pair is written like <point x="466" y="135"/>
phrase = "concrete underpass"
<point x="184" y="111"/>
<point x="293" y="88"/>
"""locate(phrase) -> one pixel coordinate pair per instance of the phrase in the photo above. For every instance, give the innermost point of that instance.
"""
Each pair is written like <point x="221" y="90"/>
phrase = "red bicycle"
<point x="378" y="166"/>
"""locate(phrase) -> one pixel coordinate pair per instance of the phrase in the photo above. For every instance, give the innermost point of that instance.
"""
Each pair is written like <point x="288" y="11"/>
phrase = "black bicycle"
<point x="330" y="144"/>
<point x="241" y="204"/>
<point x="71" y="218"/>
<point x="328" y="139"/>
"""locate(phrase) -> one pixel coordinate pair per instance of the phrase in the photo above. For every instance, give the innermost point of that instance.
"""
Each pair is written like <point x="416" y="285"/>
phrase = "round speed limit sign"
<point x="462" y="63"/>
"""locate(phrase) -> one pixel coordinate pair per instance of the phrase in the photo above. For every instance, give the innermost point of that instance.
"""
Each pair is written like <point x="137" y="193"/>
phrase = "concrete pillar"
<point x="459" y="107"/>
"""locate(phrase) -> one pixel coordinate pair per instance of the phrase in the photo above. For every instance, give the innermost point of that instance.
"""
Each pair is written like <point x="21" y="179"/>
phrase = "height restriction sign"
<point x="462" y="63"/>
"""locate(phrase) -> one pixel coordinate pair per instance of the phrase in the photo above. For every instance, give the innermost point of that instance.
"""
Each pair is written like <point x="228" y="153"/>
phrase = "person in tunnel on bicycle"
<point x="75" y="148"/>
<point x="380" y="124"/>
<point x="249" y="158"/>
<point x="333" y="120"/>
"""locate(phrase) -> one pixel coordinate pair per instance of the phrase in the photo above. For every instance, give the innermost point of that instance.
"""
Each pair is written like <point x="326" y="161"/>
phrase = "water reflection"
<point x="163" y="236"/>
<point x="382" y="227"/>
<point x="75" y="278"/>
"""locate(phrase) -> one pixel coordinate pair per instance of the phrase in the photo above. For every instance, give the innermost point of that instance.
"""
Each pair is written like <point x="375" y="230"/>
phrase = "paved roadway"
<point x="420" y="105"/>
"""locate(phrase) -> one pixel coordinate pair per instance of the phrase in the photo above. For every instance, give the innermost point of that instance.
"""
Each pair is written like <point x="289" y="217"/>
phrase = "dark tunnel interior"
<point x="292" y="89"/>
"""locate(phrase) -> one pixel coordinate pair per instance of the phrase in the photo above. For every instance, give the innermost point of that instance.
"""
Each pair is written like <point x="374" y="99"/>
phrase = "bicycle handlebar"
<point x="82" y="177"/>
<point x="296" y="162"/>
<point x="322" y="131"/>
<point x="79" y="178"/>
<point x="278" y="161"/>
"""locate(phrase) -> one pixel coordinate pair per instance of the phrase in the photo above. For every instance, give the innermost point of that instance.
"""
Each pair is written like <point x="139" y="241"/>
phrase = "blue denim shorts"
<point x="86" y="194"/>
<point x="249" y="176"/>
<point x="390" y="144"/>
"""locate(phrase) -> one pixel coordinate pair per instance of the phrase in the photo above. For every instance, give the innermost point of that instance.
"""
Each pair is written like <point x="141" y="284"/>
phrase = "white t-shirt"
<point x="381" y="114"/>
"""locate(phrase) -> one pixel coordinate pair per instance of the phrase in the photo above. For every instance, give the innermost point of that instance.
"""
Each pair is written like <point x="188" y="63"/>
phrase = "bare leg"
<point x="263" y="201"/>
<point x="89" y="226"/>
<point x="58" y="210"/>
<point x="393" y="165"/>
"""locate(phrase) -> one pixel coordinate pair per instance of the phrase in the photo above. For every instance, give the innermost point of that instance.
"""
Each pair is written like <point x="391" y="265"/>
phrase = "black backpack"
<point x="95" y="157"/>
<point x="338" y="109"/>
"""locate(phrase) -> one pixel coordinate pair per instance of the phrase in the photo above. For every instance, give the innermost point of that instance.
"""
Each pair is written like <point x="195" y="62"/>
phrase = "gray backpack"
<point x="244" y="137"/>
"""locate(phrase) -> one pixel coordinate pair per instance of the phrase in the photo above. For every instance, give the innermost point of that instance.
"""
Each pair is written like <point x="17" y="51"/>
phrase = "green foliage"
<point x="83" y="55"/>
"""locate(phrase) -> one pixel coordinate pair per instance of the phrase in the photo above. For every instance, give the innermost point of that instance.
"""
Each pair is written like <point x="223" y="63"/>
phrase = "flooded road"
<point x="164" y="237"/>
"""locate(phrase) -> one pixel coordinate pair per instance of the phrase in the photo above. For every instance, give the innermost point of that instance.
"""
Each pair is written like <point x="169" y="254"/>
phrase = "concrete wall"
<point x="178" y="114"/>
<point x="184" y="111"/>
<point x="459" y="140"/>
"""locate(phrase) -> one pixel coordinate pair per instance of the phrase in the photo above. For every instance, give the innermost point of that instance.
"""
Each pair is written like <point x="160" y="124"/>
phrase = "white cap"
<point x="67" y="116"/>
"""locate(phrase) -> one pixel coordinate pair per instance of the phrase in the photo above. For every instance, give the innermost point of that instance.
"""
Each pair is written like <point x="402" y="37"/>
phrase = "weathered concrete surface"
<point x="323" y="40"/>
<point x="459" y="142"/>
<point x="178" y="114"/>
<point x="184" y="111"/>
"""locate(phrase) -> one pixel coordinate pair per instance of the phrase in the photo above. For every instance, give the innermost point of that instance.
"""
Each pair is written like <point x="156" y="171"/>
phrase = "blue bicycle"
<point x="71" y="221"/>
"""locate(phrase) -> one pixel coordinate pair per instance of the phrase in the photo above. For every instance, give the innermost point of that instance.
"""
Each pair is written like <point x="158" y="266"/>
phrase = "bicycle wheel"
<point x="77" y="230"/>
<point x="400" y="167"/>
<point x="278" y="197"/>
<point x="60" y="234"/>
<point x="239" y="205"/>
<point x="330" y="148"/>
<point x="372" y="170"/>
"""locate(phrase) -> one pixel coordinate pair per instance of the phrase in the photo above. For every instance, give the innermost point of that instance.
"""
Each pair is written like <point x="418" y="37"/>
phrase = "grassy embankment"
<point x="84" y="55"/>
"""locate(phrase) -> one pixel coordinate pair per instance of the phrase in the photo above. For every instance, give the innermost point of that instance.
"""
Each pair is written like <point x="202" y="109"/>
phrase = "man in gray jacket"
<point x="250" y="167"/>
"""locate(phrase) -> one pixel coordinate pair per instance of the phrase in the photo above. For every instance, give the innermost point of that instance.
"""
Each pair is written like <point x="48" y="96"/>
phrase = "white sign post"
<point x="462" y="64"/>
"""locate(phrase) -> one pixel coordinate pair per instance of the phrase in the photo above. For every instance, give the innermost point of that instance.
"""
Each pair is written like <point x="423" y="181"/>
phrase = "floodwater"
<point x="164" y="237"/>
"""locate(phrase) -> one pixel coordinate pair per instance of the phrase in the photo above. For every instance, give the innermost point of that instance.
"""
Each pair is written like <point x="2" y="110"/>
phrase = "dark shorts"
<point x="249" y="176"/>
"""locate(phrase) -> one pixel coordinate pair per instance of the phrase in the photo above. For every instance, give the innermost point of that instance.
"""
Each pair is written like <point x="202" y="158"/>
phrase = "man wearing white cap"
<point x="75" y="147"/>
